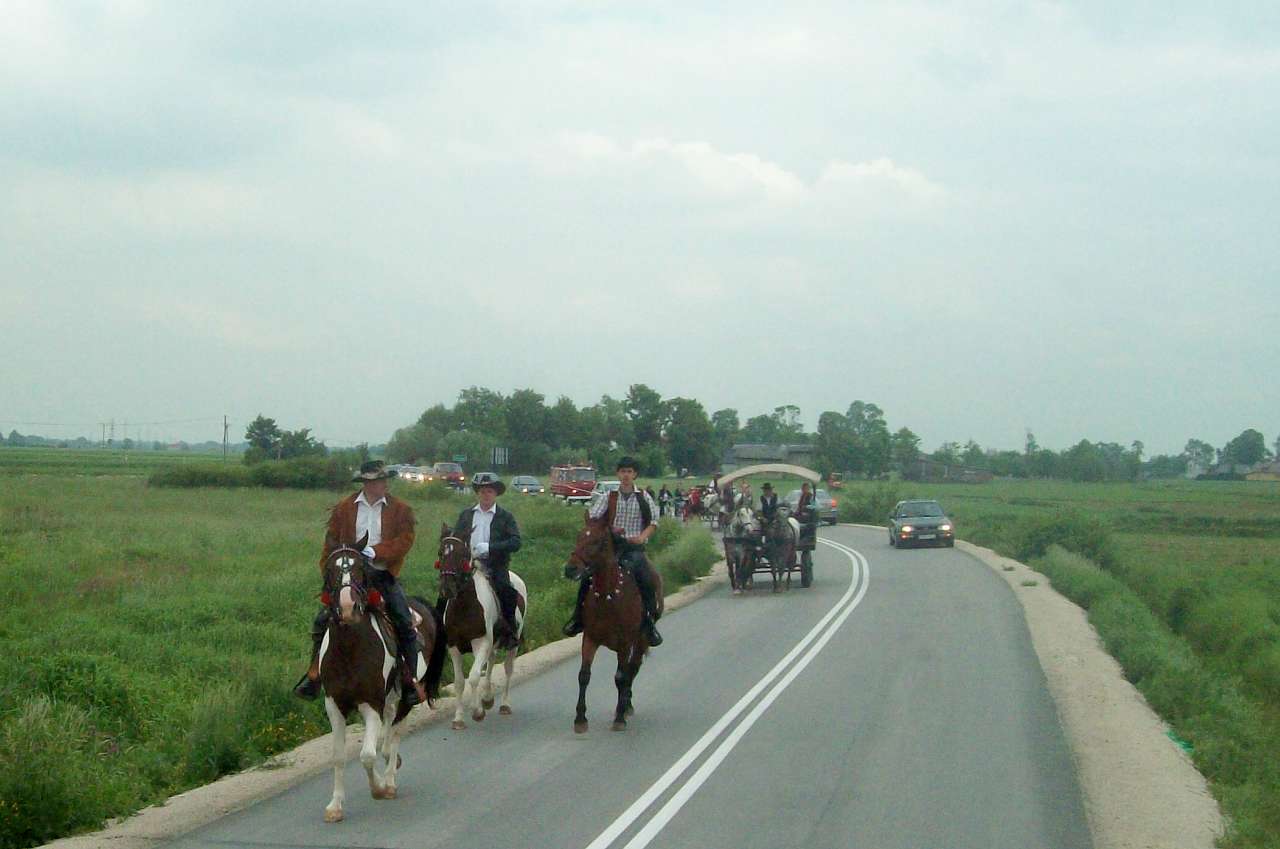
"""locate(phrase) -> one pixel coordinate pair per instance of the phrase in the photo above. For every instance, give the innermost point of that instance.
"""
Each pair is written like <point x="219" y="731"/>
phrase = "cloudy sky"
<point x="982" y="216"/>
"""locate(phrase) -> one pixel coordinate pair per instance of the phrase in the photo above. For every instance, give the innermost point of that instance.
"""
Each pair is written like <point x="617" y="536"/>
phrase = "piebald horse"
<point x="358" y="671"/>
<point x="611" y="616"/>
<point x="471" y="611"/>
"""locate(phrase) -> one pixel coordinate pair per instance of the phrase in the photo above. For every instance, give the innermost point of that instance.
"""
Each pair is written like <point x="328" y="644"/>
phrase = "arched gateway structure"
<point x="774" y="469"/>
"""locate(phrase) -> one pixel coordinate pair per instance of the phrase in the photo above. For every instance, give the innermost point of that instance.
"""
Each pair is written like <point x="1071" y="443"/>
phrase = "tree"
<point x="263" y="434"/>
<point x="1199" y="453"/>
<point x="526" y="422"/>
<point x="299" y="443"/>
<point x="563" y="427"/>
<point x="904" y="447"/>
<point x="647" y="414"/>
<point x="414" y="444"/>
<point x="437" y="418"/>
<point x="788" y="419"/>
<point x="724" y="429"/>
<point x="689" y="436"/>
<point x="835" y="443"/>
<point x="618" y="427"/>
<point x="476" y="446"/>
<point x="761" y="429"/>
<point x="868" y="424"/>
<point x="948" y="453"/>
<point x="481" y="409"/>
<point x="1248" y="448"/>
<point x="973" y="455"/>
<point x="1030" y="446"/>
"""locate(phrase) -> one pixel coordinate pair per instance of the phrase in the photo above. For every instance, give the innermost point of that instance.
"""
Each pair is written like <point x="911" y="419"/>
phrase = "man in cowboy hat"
<point x="389" y="524"/>
<point x="633" y="519"/>
<point x="768" y="502"/>
<point x="494" y="537"/>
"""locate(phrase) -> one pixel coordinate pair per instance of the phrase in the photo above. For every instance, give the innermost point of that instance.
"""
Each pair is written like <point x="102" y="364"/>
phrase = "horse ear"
<point x="444" y="530"/>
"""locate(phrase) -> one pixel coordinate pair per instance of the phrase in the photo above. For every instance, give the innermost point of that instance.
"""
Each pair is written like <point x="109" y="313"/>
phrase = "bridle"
<point x="443" y="563"/>
<point x="346" y="560"/>
<point x="593" y="571"/>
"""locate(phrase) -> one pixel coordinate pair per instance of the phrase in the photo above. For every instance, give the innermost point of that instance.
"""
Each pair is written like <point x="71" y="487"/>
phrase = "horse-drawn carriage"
<point x="778" y="546"/>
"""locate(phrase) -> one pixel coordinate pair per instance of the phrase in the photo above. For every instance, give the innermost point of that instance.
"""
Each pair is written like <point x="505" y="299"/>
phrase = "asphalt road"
<point x="896" y="703"/>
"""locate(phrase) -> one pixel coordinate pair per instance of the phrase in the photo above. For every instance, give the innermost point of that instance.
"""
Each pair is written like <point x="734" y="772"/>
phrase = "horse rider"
<point x="494" y="536"/>
<point x="633" y="518"/>
<point x="768" y="503"/>
<point x="389" y="523"/>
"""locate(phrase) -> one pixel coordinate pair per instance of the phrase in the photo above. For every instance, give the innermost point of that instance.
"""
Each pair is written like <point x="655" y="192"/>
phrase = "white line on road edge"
<point x="857" y="589"/>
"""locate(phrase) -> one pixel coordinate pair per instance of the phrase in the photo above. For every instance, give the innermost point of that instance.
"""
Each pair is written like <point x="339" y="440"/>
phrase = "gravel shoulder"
<point x="1139" y="788"/>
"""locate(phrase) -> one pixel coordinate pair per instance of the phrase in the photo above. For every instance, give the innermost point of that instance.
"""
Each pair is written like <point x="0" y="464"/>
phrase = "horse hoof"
<point x="487" y="703"/>
<point x="458" y="725"/>
<point x="618" y="725"/>
<point x="477" y="715"/>
<point x="580" y="727"/>
<point x="333" y="816"/>
<point x="385" y="793"/>
<point x="737" y="592"/>
<point x="505" y="710"/>
<point x="630" y="711"/>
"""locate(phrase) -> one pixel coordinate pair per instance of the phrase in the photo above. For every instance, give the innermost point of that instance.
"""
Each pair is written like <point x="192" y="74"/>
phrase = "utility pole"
<point x="224" y="437"/>
<point x="103" y="444"/>
<point x="112" y="440"/>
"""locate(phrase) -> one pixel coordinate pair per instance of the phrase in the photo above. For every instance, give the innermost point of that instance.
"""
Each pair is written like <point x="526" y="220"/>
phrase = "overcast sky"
<point x="981" y="216"/>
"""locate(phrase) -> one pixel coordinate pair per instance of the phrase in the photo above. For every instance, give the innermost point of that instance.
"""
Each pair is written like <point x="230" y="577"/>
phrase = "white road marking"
<point x="820" y="632"/>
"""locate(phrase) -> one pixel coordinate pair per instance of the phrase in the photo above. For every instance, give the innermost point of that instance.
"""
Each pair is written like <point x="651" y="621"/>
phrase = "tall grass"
<point x="152" y="634"/>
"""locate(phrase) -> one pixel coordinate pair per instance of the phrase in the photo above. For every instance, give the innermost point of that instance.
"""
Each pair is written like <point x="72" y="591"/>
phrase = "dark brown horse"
<point x="611" y="616"/>
<point x="780" y="535"/>
<point x="358" y="671"/>
<point x="471" y="611"/>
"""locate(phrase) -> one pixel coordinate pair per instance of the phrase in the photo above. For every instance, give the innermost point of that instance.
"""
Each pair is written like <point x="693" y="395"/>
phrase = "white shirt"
<point x="480" y="524"/>
<point x="369" y="519"/>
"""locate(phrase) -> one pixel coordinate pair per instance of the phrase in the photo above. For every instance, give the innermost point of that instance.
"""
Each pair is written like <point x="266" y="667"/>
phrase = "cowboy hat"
<point x="480" y="479"/>
<point x="373" y="470"/>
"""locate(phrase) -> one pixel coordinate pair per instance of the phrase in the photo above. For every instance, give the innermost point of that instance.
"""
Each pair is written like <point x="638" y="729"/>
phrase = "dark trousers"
<point x="397" y="604"/>
<point x="500" y="578"/>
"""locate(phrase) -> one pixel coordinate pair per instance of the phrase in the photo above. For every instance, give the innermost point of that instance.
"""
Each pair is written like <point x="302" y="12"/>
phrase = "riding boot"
<point x="308" y="686"/>
<point x="645" y="585"/>
<point x="397" y="605"/>
<point x="574" y="625"/>
<point x="411" y="690"/>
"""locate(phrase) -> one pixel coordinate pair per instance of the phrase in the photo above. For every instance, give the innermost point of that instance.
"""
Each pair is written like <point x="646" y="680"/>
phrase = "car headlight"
<point x="906" y="529"/>
<point x="944" y="527"/>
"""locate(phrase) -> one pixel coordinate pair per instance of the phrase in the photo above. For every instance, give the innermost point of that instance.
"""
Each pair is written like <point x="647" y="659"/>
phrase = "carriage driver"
<point x="635" y="518"/>
<point x="389" y="523"/>
<point x="768" y="503"/>
<point x="494" y="536"/>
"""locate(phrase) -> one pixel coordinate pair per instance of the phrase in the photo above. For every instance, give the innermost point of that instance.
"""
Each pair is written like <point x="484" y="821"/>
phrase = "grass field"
<point x="152" y="635"/>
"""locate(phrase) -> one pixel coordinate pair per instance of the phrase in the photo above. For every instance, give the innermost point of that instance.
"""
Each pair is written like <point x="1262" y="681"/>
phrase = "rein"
<point x="363" y="599"/>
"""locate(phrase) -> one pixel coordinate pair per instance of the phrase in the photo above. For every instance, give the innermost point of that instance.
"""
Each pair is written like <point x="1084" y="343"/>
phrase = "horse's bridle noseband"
<point x="362" y="598"/>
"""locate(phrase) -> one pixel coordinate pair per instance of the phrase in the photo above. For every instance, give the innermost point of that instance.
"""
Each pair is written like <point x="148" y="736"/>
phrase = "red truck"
<point x="573" y="482"/>
<point x="450" y="473"/>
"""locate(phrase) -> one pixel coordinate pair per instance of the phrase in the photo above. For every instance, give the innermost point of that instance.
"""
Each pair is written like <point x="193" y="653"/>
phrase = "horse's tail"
<point x="435" y="665"/>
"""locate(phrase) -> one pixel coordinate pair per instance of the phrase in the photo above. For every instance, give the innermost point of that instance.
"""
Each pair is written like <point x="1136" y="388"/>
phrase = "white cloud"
<point x="878" y="175"/>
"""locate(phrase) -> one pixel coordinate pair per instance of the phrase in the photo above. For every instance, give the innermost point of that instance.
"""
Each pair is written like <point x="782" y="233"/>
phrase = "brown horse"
<point x="780" y="535"/>
<point x="358" y="671"/>
<point x="611" y="616"/>
<point x="471" y="611"/>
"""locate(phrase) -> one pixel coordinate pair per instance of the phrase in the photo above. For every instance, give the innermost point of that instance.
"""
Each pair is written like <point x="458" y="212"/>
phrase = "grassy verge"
<point x="152" y="635"/>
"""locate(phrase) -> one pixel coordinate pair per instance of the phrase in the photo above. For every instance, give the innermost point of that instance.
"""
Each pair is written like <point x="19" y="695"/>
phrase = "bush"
<point x="201" y="474"/>
<point x="690" y="556"/>
<point x="867" y="507"/>
<point x="216" y="739"/>
<point x="1085" y="536"/>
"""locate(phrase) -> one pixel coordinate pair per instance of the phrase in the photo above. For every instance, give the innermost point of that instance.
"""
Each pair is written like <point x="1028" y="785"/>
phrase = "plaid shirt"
<point x="627" y="520"/>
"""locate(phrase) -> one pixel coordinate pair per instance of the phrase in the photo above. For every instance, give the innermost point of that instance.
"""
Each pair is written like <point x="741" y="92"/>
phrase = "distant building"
<point x="753" y="454"/>
<point x="1267" y="471"/>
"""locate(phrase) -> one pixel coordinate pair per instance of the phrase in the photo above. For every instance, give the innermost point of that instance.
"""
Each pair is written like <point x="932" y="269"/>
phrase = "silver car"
<point x="527" y="485"/>
<point x="823" y="503"/>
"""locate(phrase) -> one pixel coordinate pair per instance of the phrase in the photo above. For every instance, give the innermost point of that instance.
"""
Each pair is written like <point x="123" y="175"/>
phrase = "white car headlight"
<point x="906" y="529"/>
<point x="944" y="527"/>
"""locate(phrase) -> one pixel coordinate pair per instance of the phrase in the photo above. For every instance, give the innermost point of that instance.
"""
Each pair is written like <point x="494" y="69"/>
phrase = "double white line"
<point x="788" y="668"/>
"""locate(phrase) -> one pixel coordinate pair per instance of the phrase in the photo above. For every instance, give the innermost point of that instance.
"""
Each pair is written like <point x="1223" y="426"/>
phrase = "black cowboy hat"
<point x="480" y="479"/>
<point x="627" y="462"/>
<point x="373" y="470"/>
<point x="768" y="486"/>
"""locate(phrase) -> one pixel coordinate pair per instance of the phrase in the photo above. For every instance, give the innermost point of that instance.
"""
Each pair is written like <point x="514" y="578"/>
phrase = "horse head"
<point x="744" y="521"/>
<point x="344" y="583"/>
<point x="453" y="559"/>
<point x="593" y="548"/>
<point x="779" y="527"/>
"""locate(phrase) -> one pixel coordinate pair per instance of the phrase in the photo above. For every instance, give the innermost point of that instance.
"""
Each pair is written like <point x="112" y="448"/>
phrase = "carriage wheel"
<point x="806" y="569"/>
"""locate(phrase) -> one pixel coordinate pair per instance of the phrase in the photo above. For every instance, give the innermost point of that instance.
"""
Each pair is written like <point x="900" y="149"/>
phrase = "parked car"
<point x="527" y="484"/>
<point x="823" y="503"/>
<point x="603" y="488"/>
<point x="920" y="521"/>
<point x="450" y="473"/>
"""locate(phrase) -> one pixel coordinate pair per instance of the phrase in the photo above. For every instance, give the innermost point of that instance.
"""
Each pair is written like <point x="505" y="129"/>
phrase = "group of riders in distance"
<point x="378" y="652"/>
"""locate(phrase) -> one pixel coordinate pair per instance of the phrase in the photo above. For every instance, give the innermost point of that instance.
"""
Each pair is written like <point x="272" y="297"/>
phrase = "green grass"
<point x="154" y="633"/>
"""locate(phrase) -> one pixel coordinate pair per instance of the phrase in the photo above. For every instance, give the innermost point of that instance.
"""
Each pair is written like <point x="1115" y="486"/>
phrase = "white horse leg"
<point x="333" y="812"/>
<point x="486" y="691"/>
<point x="389" y="746"/>
<point x="508" y="667"/>
<point x="459" y="689"/>
<point x="369" y="749"/>
<point x="482" y="648"/>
